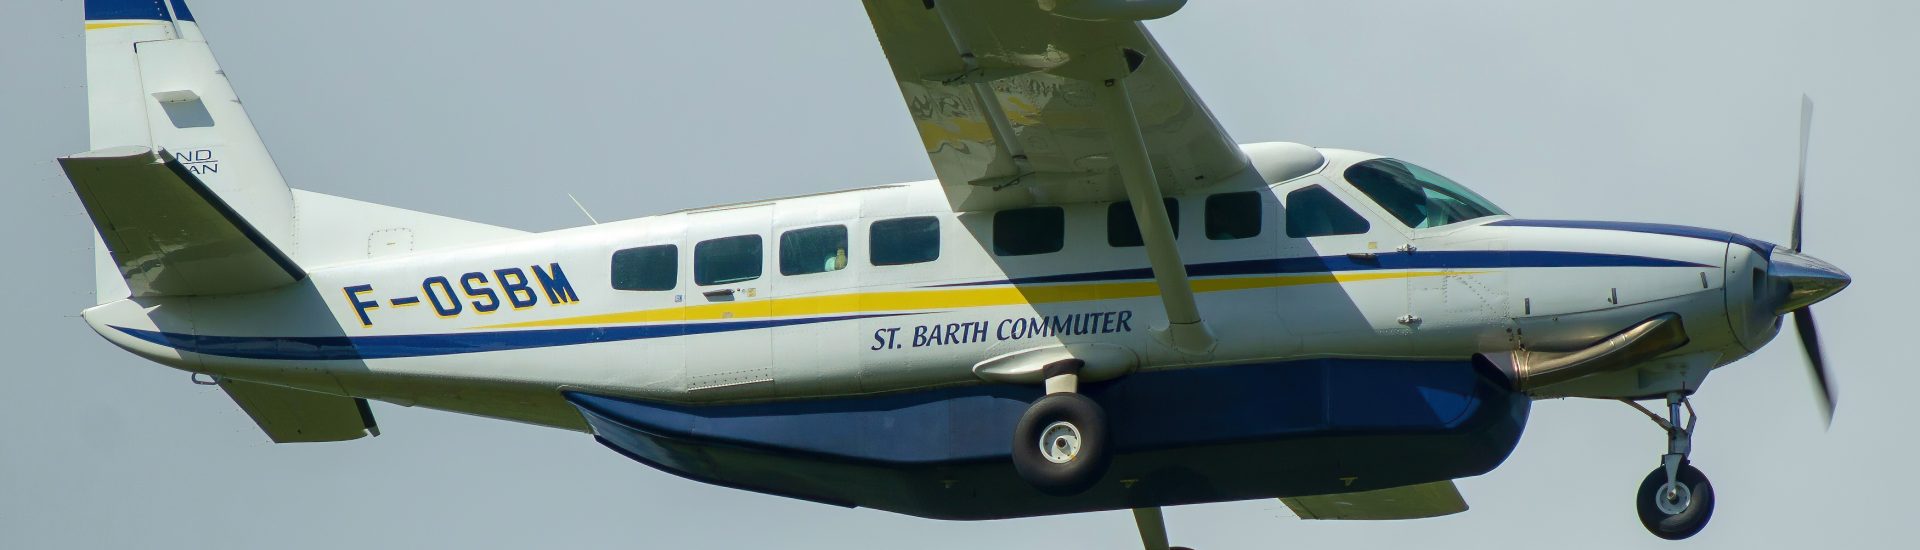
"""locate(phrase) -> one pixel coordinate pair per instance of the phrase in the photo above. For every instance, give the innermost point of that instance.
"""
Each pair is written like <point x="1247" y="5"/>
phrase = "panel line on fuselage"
<point x="799" y="310"/>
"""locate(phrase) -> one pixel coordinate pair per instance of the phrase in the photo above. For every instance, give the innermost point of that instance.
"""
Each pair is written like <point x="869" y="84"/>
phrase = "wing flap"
<point x="168" y="233"/>
<point x="1425" y="500"/>
<point x="288" y="415"/>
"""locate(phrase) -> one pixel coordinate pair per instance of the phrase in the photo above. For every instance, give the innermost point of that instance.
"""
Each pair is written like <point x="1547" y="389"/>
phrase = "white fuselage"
<point x="482" y="340"/>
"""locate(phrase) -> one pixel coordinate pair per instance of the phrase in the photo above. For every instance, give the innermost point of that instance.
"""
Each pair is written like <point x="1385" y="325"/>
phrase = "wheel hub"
<point x="1673" y="498"/>
<point x="1060" y="442"/>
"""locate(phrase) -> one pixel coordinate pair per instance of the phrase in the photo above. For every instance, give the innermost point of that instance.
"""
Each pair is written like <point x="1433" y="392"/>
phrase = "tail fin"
<point x="152" y="82"/>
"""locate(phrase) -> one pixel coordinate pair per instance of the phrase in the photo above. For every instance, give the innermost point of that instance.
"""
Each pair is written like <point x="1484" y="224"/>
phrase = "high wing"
<point x="1036" y="102"/>
<point x="1005" y="94"/>
<point x="1410" y="502"/>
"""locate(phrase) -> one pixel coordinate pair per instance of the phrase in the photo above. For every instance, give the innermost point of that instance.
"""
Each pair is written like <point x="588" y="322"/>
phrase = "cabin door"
<point x="1344" y="263"/>
<point x="728" y="261"/>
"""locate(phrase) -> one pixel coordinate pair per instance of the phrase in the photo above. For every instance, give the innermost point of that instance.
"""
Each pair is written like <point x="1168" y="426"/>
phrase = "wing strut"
<point x="1153" y="528"/>
<point x="975" y="77"/>
<point x="1185" y="330"/>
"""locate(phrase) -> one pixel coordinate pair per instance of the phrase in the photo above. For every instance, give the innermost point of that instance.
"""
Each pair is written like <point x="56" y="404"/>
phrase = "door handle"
<point x="717" y="295"/>
<point x="1363" y="256"/>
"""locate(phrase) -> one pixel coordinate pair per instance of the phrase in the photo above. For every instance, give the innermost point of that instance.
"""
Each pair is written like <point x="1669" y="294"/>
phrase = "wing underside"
<point x="1004" y="96"/>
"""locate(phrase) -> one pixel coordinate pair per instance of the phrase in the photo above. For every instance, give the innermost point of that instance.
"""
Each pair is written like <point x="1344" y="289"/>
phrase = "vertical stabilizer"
<point x="153" y="82"/>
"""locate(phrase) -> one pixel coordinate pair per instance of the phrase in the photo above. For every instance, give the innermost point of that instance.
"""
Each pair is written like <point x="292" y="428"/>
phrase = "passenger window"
<point x="1029" y="231"/>
<point x="647" y="268"/>
<point x="1312" y="211"/>
<point x="1124" y="231"/>
<point x="903" y="241"/>
<point x="726" y="260"/>
<point x="813" y="250"/>
<point x="1233" y="215"/>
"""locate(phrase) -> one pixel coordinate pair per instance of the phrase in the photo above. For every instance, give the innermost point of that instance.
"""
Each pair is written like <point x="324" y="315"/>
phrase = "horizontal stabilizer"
<point x="1425" y="500"/>
<point x="299" y="416"/>
<point x="169" y="234"/>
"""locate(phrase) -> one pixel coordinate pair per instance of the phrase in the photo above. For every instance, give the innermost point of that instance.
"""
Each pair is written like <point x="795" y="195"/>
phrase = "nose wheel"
<point x="1675" y="500"/>
<point x="1678" y="509"/>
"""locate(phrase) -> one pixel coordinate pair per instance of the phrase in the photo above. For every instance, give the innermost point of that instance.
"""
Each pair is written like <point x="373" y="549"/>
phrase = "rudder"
<point x="152" y="82"/>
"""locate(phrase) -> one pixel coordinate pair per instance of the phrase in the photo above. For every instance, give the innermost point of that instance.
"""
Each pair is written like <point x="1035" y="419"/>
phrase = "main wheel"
<point x="1677" y="512"/>
<point x="1060" y="446"/>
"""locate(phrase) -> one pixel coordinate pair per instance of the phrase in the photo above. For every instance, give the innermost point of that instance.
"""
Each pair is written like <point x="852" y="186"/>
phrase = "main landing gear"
<point x="1060" y="445"/>
<point x="1676" y="500"/>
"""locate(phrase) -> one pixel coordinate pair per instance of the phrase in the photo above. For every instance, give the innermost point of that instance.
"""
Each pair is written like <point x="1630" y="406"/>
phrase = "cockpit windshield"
<point x="1418" y="196"/>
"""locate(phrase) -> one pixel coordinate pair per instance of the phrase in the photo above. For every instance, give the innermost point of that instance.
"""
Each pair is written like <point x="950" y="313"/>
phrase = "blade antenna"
<point x="583" y="210"/>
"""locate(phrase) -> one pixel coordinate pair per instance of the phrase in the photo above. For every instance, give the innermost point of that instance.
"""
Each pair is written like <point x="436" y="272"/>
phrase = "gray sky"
<point x="1679" y="112"/>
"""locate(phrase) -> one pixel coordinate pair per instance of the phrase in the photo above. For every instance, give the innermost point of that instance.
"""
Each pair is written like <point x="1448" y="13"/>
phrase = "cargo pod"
<point x="1182" y="436"/>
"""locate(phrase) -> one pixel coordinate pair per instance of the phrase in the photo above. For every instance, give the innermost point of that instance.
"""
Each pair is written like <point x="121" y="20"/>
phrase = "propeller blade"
<point x="1817" y="361"/>
<point x="1800" y="191"/>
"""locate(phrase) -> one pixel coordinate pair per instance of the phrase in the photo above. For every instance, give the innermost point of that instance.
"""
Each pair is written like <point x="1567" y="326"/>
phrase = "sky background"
<point x="1659" y="111"/>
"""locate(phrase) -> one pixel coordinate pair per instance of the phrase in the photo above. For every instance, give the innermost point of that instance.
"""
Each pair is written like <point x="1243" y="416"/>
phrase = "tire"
<point x="1689" y="521"/>
<point x="1073" y="469"/>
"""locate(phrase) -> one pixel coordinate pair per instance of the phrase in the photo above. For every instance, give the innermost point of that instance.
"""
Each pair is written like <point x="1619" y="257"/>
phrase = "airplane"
<point x="1103" y="302"/>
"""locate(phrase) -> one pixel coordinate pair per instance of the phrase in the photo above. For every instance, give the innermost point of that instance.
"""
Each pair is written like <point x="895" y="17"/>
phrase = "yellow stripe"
<point x="117" y="24"/>
<point x="913" y="300"/>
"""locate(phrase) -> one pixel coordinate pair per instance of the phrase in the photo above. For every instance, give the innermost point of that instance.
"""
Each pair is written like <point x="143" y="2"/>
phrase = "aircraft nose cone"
<point x="1806" y="279"/>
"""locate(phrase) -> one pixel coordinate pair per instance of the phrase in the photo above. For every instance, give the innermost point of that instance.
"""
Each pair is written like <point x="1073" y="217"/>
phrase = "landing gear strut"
<point x="1060" y="445"/>
<point x="1675" y="500"/>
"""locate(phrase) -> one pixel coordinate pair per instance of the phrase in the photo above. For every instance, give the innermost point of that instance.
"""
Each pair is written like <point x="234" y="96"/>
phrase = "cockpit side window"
<point x="1416" y="196"/>
<point x="1312" y="211"/>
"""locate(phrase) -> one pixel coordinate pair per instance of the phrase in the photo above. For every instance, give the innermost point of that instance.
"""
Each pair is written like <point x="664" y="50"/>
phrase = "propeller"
<point x="1803" y="317"/>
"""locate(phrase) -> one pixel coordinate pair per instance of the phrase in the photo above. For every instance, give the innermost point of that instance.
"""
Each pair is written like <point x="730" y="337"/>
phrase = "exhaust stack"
<point x="1527" y="370"/>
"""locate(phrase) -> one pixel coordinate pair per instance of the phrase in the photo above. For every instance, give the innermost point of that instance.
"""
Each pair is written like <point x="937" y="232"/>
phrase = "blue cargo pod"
<point x="1184" y="436"/>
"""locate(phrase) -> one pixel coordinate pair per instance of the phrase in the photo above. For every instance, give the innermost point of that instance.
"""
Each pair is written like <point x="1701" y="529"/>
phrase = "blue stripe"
<point x="1463" y="259"/>
<point x="422" y="345"/>
<point x="1763" y="247"/>
<point x="180" y="11"/>
<point x="419" y="345"/>
<point x="100" y="10"/>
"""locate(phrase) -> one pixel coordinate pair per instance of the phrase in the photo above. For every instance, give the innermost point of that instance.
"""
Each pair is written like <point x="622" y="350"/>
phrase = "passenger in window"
<point x="837" y="261"/>
<point x="813" y="250"/>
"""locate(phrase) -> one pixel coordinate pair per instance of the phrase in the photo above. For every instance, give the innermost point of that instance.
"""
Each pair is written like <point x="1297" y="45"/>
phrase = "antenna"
<point x="583" y="209"/>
